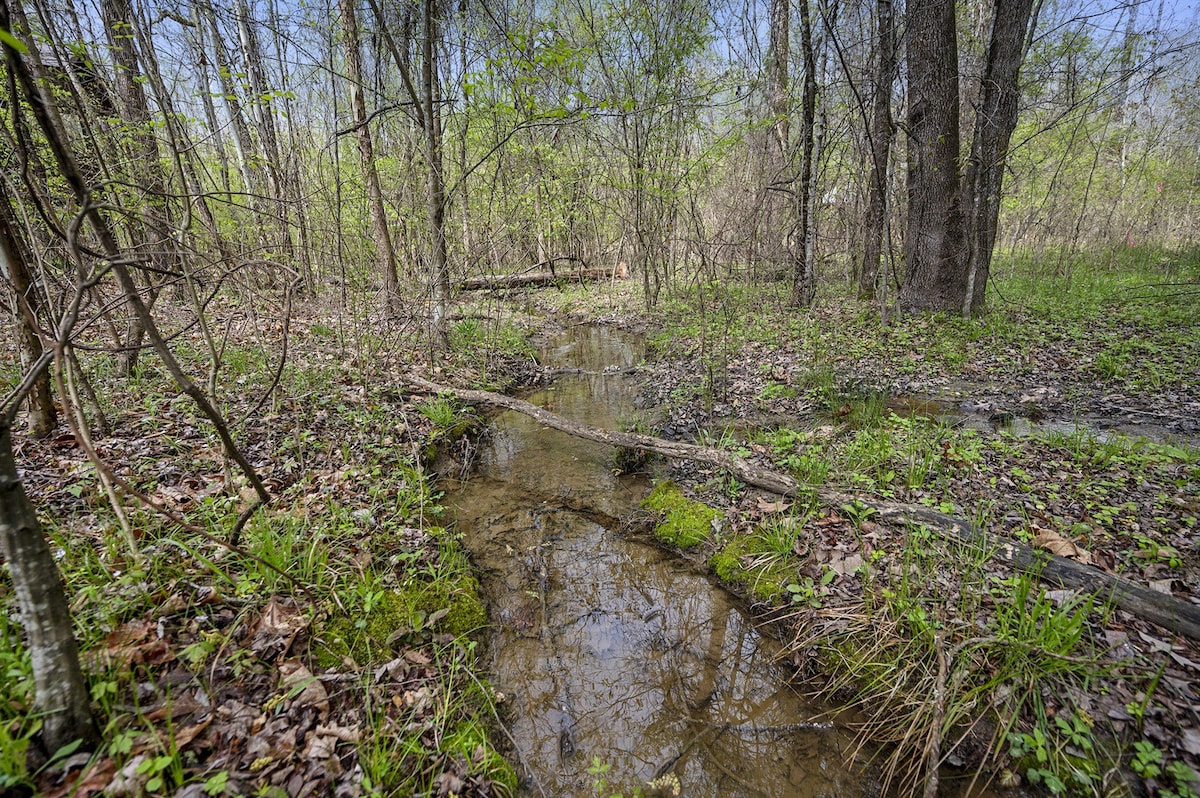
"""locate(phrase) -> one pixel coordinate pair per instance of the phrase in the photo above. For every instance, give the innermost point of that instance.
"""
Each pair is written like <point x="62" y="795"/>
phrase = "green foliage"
<point x="450" y="419"/>
<point x="685" y="522"/>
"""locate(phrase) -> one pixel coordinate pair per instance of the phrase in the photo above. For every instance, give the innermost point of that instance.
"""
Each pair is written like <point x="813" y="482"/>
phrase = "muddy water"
<point x="606" y="648"/>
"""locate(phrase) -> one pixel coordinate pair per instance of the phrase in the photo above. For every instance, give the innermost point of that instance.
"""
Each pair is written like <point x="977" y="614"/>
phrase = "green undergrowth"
<point x="1127" y="320"/>
<point x="348" y="574"/>
<point x="684" y="522"/>
<point x="893" y="621"/>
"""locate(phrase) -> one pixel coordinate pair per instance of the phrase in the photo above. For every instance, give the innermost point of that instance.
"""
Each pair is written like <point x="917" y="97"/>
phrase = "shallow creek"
<point x="606" y="647"/>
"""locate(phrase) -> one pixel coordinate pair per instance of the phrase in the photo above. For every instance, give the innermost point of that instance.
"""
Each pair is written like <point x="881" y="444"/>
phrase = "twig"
<point x="933" y="748"/>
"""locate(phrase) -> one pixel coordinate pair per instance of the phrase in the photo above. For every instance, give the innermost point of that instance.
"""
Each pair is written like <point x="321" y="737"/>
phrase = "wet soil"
<point x="608" y="649"/>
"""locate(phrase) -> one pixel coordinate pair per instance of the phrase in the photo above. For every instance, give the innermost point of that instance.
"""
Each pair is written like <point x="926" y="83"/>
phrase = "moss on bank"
<point x="684" y="522"/>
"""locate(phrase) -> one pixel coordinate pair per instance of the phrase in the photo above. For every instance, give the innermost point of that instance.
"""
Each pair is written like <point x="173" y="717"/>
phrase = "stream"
<point x="608" y="649"/>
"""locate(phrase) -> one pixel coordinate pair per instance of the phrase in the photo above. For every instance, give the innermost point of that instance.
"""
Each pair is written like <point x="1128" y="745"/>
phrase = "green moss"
<point x="461" y="597"/>
<point x="765" y="579"/>
<point x="685" y="522"/>
<point x="364" y="636"/>
<point x="727" y="563"/>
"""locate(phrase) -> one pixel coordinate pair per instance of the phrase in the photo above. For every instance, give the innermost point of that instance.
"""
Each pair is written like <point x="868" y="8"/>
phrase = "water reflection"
<point x="609" y="648"/>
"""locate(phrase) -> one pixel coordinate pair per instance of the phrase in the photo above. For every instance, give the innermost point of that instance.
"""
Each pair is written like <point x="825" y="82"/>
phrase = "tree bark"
<point x="434" y="182"/>
<point x="243" y="144"/>
<point x="880" y="134"/>
<point x="145" y="162"/>
<point x="777" y="209"/>
<point x="1166" y="611"/>
<point x="995" y="121"/>
<point x="804" y="277"/>
<point x="934" y="244"/>
<point x="205" y="91"/>
<point x="61" y="695"/>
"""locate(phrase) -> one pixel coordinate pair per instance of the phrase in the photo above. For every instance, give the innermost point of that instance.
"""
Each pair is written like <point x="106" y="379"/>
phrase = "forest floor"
<point x="354" y="671"/>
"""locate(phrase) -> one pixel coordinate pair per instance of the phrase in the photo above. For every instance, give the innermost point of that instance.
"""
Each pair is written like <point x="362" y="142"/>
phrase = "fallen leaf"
<point x="277" y="628"/>
<point x="93" y="780"/>
<point x="1156" y="645"/>
<point x="848" y="565"/>
<point x="773" y="507"/>
<point x="1055" y="543"/>
<point x="304" y="688"/>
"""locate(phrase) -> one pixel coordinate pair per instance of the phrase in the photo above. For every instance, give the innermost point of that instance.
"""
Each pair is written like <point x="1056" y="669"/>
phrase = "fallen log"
<point x="489" y="282"/>
<point x="1167" y="611"/>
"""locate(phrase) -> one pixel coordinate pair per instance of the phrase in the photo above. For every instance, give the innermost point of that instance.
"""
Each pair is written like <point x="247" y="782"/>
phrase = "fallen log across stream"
<point x="1167" y="611"/>
<point x="490" y="282"/>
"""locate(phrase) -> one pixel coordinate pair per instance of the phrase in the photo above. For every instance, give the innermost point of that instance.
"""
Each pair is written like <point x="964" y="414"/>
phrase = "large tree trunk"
<point x="934" y="246"/>
<point x="881" y="131"/>
<point x="61" y="695"/>
<point x="994" y="123"/>
<point x="384" y="251"/>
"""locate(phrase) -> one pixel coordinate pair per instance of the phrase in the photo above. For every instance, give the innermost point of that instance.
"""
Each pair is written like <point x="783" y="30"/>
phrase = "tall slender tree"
<point x="995" y="120"/>
<point x="384" y="252"/>
<point x="42" y="414"/>
<point x="880" y="134"/>
<point x="804" y="275"/>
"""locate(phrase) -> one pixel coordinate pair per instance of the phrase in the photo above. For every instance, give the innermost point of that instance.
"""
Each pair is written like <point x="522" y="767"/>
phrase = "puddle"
<point x="609" y="649"/>
<point x="984" y="417"/>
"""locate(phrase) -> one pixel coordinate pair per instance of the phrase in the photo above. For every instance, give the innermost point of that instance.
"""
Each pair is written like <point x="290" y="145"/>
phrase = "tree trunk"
<point x="243" y="144"/>
<point x="43" y="416"/>
<point x="994" y="123"/>
<point x="487" y="282"/>
<point x="61" y="696"/>
<point x="881" y="131"/>
<point x="439" y="268"/>
<point x="934" y="244"/>
<point x="383" y="239"/>
<point x="205" y="91"/>
<point x="145" y="161"/>
<point x="776" y="206"/>
<point x="804" y="285"/>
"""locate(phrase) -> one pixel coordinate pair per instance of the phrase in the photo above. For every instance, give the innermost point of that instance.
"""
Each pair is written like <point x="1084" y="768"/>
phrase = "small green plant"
<point x="1147" y="760"/>
<point x="1061" y="757"/>
<point x="806" y="592"/>
<point x="858" y="513"/>
<point x="443" y="412"/>
<point x="1153" y="551"/>
<point x="776" y="390"/>
<point x="215" y="784"/>
<point x="1173" y="780"/>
